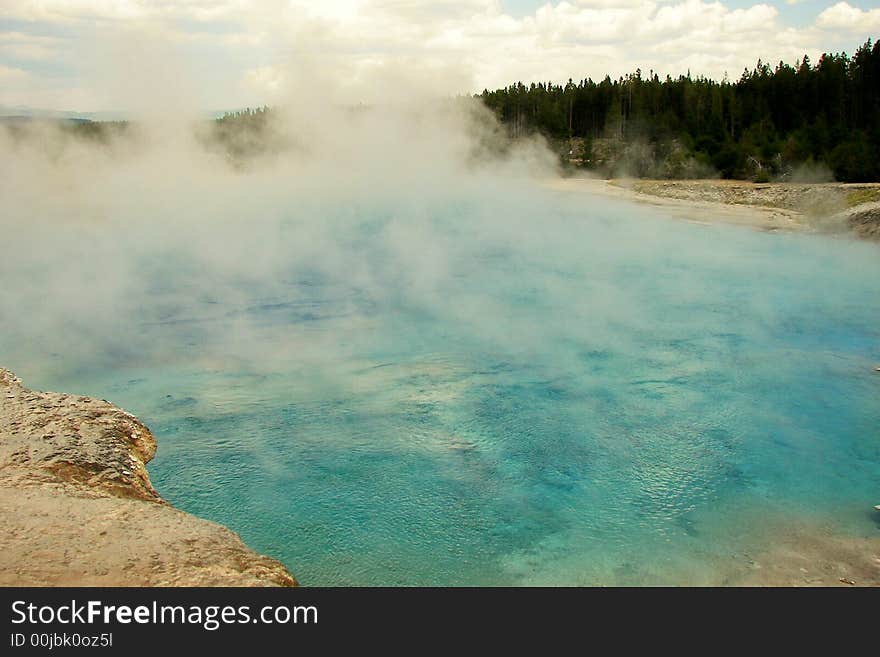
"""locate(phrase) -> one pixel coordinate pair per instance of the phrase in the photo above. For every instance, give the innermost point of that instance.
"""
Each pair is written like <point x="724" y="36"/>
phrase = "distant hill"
<point x="26" y="112"/>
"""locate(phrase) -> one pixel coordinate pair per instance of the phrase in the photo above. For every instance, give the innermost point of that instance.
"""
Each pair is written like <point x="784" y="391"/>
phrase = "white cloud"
<point x="16" y="45"/>
<point x="66" y="10"/>
<point x="74" y="10"/>
<point x="844" y="16"/>
<point x="243" y="50"/>
<point x="9" y="74"/>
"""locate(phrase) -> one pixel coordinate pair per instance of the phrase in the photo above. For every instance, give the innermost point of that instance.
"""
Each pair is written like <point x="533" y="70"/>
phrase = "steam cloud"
<point x="153" y="248"/>
<point x="153" y="245"/>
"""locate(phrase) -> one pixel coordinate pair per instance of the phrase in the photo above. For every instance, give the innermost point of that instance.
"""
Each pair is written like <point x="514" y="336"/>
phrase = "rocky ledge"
<point x="78" y="509"/>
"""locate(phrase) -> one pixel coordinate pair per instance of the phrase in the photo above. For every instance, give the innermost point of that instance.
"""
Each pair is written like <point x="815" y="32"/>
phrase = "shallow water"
<point x="572" y="391"/>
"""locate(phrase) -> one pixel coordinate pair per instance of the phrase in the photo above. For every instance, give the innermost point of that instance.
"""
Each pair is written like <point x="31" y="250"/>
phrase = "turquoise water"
<point x="542" y="390"/>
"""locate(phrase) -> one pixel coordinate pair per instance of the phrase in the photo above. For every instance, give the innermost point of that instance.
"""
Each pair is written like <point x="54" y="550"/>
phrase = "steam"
<point x="152" y="245"/>
<point x="155" y="246"/>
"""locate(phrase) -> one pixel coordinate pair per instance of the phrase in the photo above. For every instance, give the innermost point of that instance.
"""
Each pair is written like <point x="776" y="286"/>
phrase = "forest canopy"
<point x="771" y="123"/>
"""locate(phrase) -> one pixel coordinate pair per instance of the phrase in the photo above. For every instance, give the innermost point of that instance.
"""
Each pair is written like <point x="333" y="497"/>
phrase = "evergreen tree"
<point x="768" y="121"/>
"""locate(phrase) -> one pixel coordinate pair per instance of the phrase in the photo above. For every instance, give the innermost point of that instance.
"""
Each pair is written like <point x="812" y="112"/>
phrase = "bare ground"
<point x="818" y="207"/>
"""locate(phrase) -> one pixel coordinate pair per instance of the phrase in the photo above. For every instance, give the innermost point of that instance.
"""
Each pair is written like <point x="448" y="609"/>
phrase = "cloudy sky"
<point x="92" y="55"/>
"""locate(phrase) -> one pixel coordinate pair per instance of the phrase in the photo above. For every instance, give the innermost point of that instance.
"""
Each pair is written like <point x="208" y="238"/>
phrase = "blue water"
<point x="544" y="390"/>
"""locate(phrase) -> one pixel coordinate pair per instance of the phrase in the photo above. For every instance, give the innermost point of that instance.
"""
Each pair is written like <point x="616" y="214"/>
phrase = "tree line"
<point x="764" y="125"/>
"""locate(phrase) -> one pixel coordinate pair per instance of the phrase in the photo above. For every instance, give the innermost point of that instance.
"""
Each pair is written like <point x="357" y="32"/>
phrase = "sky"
<point x="208" y="55"/>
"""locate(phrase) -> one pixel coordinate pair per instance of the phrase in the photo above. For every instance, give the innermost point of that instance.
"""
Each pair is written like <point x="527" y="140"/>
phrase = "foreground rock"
<point x="77" y="507"/>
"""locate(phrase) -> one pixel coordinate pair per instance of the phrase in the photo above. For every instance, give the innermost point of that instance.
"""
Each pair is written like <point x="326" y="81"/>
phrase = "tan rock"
<point x="78" y="509"/>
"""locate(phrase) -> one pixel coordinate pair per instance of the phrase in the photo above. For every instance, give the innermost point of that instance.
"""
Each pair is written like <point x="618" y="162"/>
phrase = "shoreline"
<point x="828" y="208"/>
<point x="78" y="508"/>
<point x="805" y="555"/>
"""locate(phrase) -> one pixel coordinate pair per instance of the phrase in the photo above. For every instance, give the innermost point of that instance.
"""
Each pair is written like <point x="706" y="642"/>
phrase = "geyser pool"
<point x="558" y="390"/>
